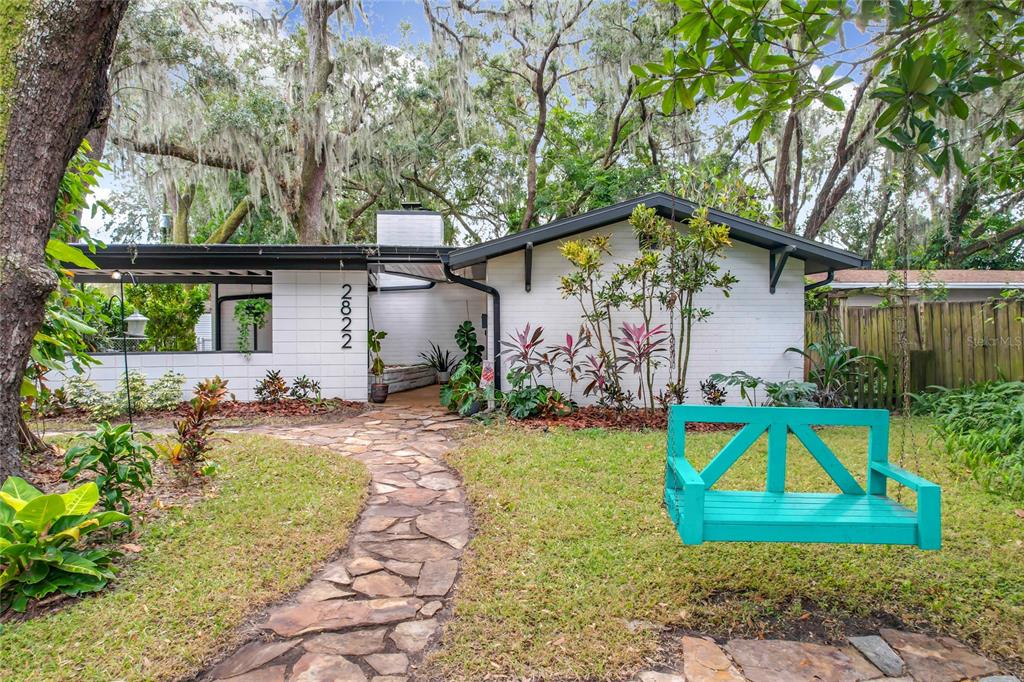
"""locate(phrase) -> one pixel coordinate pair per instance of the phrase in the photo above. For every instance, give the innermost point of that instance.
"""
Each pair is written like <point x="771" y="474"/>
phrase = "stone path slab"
<point x="893" y="656"/>
<point x="371" y="614"/>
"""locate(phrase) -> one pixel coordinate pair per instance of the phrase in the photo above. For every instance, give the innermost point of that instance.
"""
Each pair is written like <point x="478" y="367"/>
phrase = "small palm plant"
<point x="641" y="346"/>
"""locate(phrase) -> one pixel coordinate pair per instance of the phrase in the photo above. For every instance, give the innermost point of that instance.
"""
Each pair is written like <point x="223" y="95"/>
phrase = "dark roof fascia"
<point x="670" y="207"/>
<point x="142" y="257"/>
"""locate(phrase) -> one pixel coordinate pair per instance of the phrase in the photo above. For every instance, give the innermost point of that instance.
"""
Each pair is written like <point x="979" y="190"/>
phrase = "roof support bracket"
<point x="776" y="264"/>
<point x="528" y="265"/>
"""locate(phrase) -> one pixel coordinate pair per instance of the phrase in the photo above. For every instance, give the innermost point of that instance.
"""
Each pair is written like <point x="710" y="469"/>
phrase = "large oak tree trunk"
<point x="53" y="85"/>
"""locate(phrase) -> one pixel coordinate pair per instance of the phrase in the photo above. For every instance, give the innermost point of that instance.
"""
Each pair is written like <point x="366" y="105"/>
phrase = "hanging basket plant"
<point x="249" y="313"/>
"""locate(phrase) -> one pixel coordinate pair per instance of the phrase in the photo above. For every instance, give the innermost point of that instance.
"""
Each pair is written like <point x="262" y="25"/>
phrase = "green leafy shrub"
<point x="272" y="388"/>
<point x="373" y="341"/>
<point x="162" y="394"/>
<point x="304" y="388"/>
<point x="983" y="427"/>
<point x="120" y="464"/>
<point x="712" y="392"/>
<point x="462" y="393"/>
<point x="524" y="400"/>
<point x="788" y="393"/>
<point x="465" y="339"/>
<point x="41" y="549"/>
<point x="195" y="431"/>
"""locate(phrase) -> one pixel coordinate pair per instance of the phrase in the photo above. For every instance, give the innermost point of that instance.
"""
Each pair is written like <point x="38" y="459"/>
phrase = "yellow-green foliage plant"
<point x="40" y="543"/>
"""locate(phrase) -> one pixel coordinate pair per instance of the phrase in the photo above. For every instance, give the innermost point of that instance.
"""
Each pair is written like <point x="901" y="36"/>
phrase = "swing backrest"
<point x="779" y="422"/>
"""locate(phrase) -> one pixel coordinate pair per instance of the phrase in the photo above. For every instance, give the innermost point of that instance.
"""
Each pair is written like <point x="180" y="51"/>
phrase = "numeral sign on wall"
<point x="346" y="316"/>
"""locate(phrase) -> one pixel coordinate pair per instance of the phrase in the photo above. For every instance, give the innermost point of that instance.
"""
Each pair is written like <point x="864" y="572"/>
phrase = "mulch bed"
<point x="627" y="420"/>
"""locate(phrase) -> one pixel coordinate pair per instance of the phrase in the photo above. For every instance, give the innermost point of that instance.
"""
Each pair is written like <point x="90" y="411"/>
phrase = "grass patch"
<point x="574" y="544"/>
<point x="279" y="509"/>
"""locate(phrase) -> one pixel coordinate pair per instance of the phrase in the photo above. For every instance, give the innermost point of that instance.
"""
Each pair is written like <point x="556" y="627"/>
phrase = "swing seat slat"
<point x="851" y="516"/>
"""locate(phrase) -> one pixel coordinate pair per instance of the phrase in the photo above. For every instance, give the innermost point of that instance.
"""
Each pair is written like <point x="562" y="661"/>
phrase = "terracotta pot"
<point x="378" y="393"/>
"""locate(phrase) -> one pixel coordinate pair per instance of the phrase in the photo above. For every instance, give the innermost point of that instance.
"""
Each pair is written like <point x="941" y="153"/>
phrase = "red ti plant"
<point x="523" y="350"/>
<point x="569" y="353"/>
<point x="641" y="345"/>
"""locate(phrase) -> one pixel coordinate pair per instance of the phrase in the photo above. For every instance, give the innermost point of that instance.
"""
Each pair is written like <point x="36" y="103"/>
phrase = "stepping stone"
<point x="876" y="650"/>
<point x="382" y="488"/>
<point x="937" y="659"/>
<point x="654" y="676"/>
<point x="773" y="660"/>
<point x="412" y="636"/>
<point x="389" y="678"/>
<point x="249" y="657"/>
<point x="326" y="668"/>
<point x="336" y="573"/>
<point x="364" y="565"/>
<point x="321" y="590"/>
<point x="416" y="497"/>
<point x="430" y="608"/>
<point x="412" y="550"/>
<point x="409" y="570"/>
<point x="438" y="482"/>
<point x="376" y="524"/>
<point x="381" y="584"/>
<point x="437" y="577"/>
<point x="445" y="526"/>
<point x="388" y="664"/>
<point x="999" y="678"/>
<point x="442" y="426"/>
<point x="399" y="510"/>
<point x="704" y="661"/>
<point x="338" y="614"/>
<point x="356" y="643"/>
<point x="396" y="480"/>
<point x="274" y="673"/>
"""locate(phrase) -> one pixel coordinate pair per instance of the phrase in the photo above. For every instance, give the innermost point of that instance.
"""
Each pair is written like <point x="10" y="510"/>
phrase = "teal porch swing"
<point x="853" y="515"/>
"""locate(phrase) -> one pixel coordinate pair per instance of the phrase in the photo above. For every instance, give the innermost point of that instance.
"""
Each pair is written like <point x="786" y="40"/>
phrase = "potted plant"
<point x="378" y="389"/>
<point x="441" y="361"/>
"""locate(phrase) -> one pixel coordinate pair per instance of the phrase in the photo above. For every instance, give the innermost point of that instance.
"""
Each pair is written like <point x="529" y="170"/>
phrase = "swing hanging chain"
<point x="903" y="321"/>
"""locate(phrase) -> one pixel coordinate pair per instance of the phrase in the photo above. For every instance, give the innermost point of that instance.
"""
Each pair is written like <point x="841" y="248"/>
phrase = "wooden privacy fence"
<point x="951" y="344"/>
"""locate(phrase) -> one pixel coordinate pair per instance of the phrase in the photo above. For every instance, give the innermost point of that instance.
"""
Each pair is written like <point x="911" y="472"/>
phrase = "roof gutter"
<point x="494" y="323"/>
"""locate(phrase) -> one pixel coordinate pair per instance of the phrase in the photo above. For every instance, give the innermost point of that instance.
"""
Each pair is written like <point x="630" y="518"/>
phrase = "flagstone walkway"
<point x="370" y="615"/>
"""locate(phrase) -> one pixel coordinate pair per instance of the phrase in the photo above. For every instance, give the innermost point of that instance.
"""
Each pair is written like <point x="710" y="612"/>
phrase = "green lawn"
<point x="278" y="510"/>
<point x="573" y="545"/>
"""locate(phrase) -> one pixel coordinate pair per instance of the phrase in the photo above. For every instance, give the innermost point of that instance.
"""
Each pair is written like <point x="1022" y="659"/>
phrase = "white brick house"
<point x="324" y="298"/>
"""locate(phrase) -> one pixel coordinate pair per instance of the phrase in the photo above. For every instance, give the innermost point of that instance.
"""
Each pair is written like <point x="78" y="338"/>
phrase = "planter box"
<point x="406" y="378"/>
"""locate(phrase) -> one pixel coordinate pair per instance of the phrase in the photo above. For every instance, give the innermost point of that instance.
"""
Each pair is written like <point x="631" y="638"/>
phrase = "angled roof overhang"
<point x="818" y="257"/>
<point x="245" y="263"/>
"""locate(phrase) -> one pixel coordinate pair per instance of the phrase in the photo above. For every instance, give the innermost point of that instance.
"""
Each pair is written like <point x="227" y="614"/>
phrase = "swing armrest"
<point x="685" y="472"/>
<point x="902" y="476"/>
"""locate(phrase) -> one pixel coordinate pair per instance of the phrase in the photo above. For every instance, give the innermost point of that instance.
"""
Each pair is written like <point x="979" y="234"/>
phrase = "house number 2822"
<point x="346" y="316"/>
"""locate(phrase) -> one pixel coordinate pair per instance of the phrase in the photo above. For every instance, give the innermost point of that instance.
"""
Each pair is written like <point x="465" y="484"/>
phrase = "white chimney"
<point x="410" y="227"/>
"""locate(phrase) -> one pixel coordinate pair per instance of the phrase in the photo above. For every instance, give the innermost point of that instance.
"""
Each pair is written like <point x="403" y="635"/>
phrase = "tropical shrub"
<point x="373" y="342"/>
<point x="120" y="464"/>
<point x="524" y="400"/>
<point x="788" y="393"/>
<point x="462" y="393"/>
<point x="41" y="549"/>
<point x="272" y="388"/>
<point x="640" y="347"/>
<point x="440" y="360"/>
<point x="304" y="388"/>
<point x="983" y="428"/>
<point x="836" y="367"/>
<point x="195" y="430"/>
<point x="523" y="351"/>
<point x="712" y="392"/>
<point x="465" y="339"/>
<point x="567" y="356"/>
<point x="162" y="394"/>
<point x="250" y="313"/>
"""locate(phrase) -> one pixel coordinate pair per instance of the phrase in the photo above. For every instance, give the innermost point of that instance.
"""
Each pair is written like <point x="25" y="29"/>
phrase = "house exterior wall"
<point x="307" y="339"/>
<point x="414" y="318"/>
<point x="748" y="331"/>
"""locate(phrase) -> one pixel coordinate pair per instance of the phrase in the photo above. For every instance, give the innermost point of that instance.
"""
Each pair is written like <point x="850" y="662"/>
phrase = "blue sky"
<point x="385" y="17"/>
